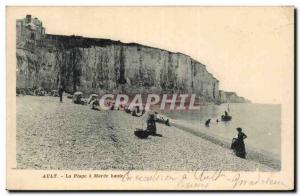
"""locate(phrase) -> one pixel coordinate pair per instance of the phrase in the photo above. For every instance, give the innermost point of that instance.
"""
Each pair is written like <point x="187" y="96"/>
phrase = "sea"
<point x="260" y="122"/>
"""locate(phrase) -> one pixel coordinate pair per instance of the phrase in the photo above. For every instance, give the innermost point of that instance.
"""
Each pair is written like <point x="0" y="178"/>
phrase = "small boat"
<point x="226" y="118"/>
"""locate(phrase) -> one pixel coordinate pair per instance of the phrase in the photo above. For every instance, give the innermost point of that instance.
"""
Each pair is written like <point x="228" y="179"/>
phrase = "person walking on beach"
<point x="238" y="144"/>
<point x="60" y="93"/>
<point x="207" y="123"/>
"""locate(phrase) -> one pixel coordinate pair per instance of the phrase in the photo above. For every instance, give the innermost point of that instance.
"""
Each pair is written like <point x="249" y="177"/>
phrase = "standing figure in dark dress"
<point x="238" y="144"/>
<point x="60" y="92"/>
<point x="151" y="126"/>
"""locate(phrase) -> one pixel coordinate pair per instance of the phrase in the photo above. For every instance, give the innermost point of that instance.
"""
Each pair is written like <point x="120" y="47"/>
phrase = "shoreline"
<point x="263" y="157"/>
<point x="53" y="135"/>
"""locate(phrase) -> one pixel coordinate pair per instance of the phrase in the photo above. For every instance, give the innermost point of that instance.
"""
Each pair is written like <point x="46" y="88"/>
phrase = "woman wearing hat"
<point x="238" y="144"/>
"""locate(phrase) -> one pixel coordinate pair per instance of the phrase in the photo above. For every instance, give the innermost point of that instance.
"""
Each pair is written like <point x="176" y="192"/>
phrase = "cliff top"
<point x="101" y="42"/>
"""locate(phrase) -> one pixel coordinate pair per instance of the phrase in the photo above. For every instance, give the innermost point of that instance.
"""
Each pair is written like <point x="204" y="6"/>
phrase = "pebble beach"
<point x="67" y="136"/>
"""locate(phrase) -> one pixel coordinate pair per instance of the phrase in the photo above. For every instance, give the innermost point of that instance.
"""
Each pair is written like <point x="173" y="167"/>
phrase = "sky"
<point x="250" y="50"/>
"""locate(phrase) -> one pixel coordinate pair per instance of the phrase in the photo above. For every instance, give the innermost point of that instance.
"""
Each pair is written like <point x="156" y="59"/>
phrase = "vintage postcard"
<point x="150" y="98"/>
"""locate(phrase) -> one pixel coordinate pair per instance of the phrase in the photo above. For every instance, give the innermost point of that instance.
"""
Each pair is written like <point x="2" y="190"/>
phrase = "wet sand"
<point x="54" y="135"/>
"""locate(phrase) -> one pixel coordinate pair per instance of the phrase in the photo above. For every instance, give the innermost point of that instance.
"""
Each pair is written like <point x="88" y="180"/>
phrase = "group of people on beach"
<point x="136" y="111"/>
<point x="237" y="145"/>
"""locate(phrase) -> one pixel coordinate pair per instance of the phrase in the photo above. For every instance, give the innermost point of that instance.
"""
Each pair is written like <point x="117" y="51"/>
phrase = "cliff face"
<point x="100" y="65"/>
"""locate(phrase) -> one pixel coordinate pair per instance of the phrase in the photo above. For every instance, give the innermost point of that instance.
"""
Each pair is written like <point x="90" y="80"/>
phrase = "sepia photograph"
<point x="150" y="98"/>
